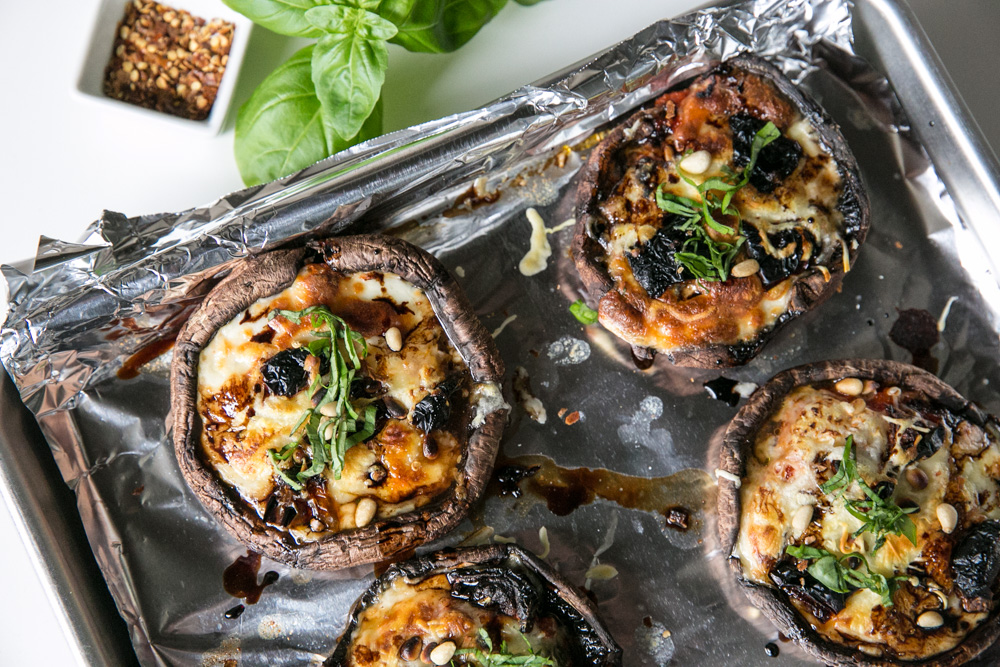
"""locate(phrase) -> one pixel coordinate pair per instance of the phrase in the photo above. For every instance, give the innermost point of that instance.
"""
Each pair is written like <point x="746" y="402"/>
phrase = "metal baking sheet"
<point x="89" y="306"/>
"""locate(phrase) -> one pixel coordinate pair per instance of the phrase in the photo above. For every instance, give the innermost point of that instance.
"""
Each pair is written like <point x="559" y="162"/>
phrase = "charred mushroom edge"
<point x="737" y="441"/>
<point x="268" y="274"/>
<point x="808" y="292"/>
<point x="491" y="554"/>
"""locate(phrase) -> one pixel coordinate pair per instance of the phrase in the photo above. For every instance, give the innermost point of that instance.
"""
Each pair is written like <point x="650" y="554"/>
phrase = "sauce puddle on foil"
<point x="678" y="498"/>
<point x="723" y="389"/>
<point x="142" y="356"/>
<point x="915" y="330"/>
<point x="240" y="581"/>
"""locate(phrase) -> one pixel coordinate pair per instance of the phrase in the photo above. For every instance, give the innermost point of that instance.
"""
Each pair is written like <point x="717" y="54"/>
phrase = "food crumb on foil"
<point x="223" y="656"/>
<point x="530" y="403"/>
<point x="568" y="350"/>
<point x="536" y="259"/>
<point x="270" y="627"/>
<point x="503" y="325"/>
<point x="656" y="641"/>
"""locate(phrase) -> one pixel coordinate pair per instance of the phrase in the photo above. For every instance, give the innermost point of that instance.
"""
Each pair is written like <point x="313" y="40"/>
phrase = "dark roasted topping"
<point x="775" y="269"/>
<point x="284" y="374"/>
<point x="928" y="445"/>
<point x="976" y="560"/>
<point x="434" y="410"/>
<point x="653" y="263"/>
<point x="499" y="589"/>
<point x="822" y="602"/>
<point x="776" y="161"/>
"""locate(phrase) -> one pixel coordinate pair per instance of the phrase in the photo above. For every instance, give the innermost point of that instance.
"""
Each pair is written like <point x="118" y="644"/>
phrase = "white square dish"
<point x="98" y="52"/>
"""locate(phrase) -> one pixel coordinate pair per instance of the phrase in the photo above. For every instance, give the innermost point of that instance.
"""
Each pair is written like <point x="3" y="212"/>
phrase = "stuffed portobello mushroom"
<point x="475" y="607"/>
<point x="712" y="217"/>
<point x="337" y="404"/>
<point x="860" y="503"/>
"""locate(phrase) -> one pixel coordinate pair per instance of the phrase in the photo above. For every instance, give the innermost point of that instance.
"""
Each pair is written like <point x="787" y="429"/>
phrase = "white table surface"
<point x="63" y="159"/>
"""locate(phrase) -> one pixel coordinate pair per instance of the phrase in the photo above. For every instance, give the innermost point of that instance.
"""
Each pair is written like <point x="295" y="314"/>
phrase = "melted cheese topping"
<point x="797" y="450"/>
<point x="426" y="610"/>
<point x="243" y="421"/>
<point x="692" y="314"/>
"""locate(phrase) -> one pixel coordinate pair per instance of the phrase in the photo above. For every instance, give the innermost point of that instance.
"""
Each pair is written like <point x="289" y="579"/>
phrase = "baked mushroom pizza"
<point x="712" y="217"/>
<point x="476" y="607"/>
<point x="337" y="404"/>
<point x="860" y="501"/>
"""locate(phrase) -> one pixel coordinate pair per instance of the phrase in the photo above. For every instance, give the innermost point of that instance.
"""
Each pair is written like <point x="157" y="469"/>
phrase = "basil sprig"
<point x="327" y="96"/>
<point x="351" y="422"/>
<point x="501" y="658"/>
<point x="834" y="572"/>
<point x="702" y="256"/>
<point x="879" y="516"/>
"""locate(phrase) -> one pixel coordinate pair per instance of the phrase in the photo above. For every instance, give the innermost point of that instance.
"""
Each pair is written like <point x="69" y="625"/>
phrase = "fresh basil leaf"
<point x="846" y="471"/>
<point x="281" y="472"/>
<point x="675" y="204"/>
<point x="280" y="129"/>
<point x="348" y="65"/>
<point x="907" y="528"/>
<point x="829" y="572"/>
<point x="285" y="17"/>
<point x="437" y="26"/>
<point x="805" y="552"/>
<point x="582" y="312"/>
<point x="351" y="18"/>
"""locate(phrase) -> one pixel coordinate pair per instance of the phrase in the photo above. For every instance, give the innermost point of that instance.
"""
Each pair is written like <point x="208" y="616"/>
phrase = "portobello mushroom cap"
<point x="604" y="168"/>
<point x="268" y="274"/>
<point x="591" y="644"/>
<point x="737" y="443"/>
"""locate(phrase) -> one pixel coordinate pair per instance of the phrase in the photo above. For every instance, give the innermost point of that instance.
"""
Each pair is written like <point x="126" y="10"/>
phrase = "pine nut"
<point x="365" y="512"/>
<point x="850" y="386"/>
<point x="394" y="339"/>
<point x="697" y="162"/>
<point x="930" y="620"/>
<point x="443" y="653"/>
<point x="801" y="520"/>
<point x="746" y="268"/>
<point x="948" y="517"/>
<point x="917" y="478"/>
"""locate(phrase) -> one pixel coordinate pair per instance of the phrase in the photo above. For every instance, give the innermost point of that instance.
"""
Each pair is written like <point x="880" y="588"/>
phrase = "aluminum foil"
<point x="88" y="306"/>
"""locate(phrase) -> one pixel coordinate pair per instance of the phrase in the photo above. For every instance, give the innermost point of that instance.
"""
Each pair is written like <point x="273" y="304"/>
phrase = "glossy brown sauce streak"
<point x="470" y="201"/>
<point x="240" y="578"/>
<point x="144" y="355"/>
<point x="915" y="330"/>
<point x="678" y="498"/>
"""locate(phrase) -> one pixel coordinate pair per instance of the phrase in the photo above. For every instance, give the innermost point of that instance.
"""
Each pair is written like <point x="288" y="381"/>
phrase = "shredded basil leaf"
<point x="582" y="312"/>
<point x="878" y="516"/>
<point x="500" y="657"/>
<point x="324" y="439"/>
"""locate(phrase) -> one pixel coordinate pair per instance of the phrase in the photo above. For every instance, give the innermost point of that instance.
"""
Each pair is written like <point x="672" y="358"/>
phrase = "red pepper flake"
<point x="572" y="418"/>
<point x="168" y="60"/>
<point x="562" y="412"/>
